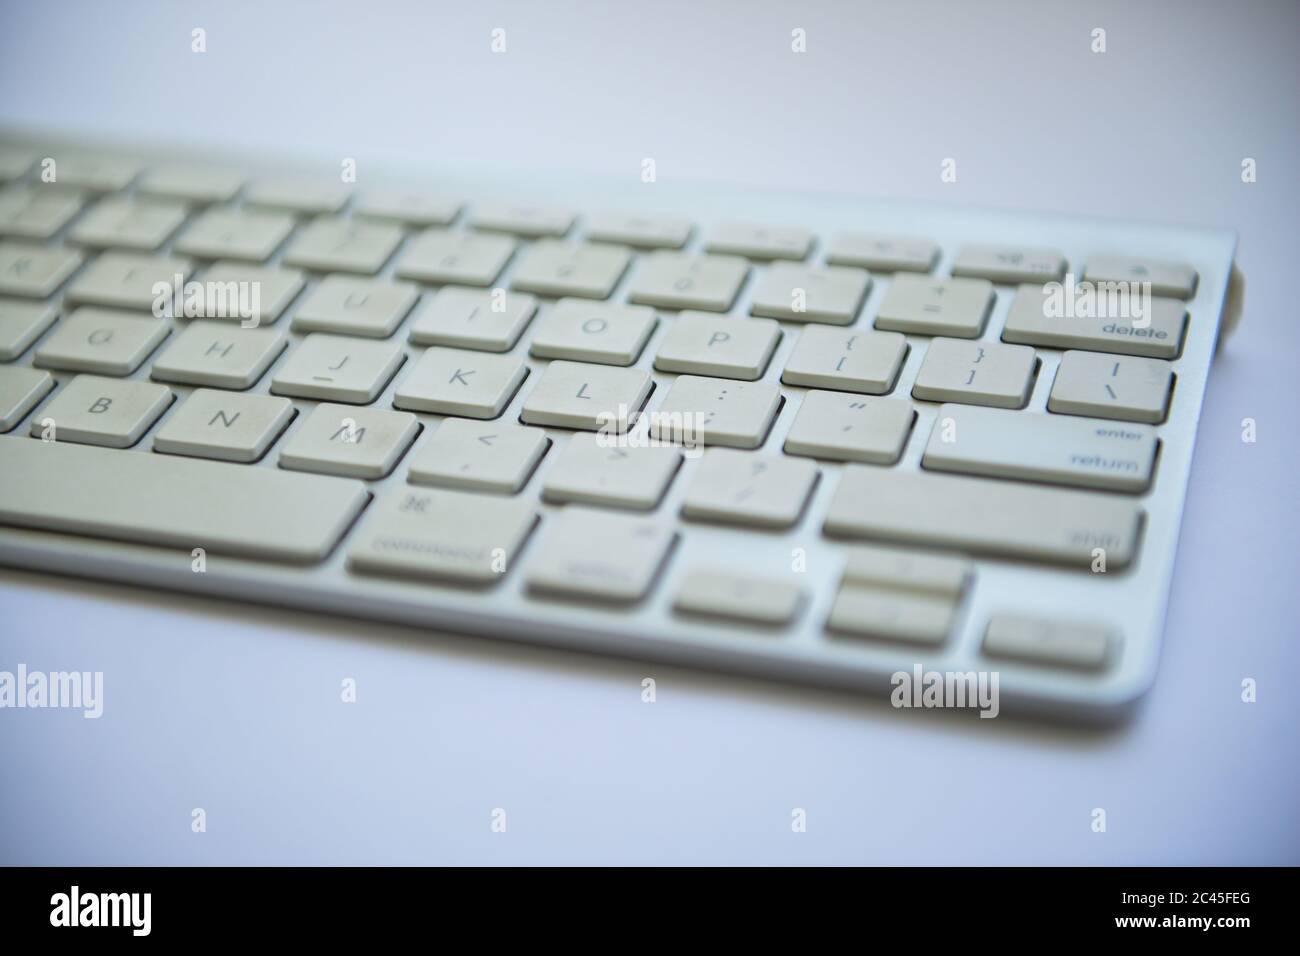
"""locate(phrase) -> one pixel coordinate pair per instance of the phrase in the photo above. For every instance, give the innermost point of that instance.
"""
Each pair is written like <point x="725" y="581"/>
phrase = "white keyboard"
<point x="813" y="438"/>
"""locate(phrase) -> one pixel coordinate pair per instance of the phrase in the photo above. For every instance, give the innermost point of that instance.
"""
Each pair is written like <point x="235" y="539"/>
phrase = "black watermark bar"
<point x="209" y="905"/>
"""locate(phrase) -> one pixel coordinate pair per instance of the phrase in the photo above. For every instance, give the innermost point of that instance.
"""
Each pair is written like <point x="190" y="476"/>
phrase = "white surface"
<point x="236" y="710"/>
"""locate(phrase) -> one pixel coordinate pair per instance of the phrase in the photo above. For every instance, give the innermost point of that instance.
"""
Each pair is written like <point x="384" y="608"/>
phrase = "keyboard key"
<point x="219" y="355"/>
<point x="587" y="397"/>
<point x="976" y="373"/>
<point x="587" y="553"/>
<point x="920" y="305"/>
<point x="802" y="294"/>
<point x="883" y="253"/>
<point x="839" y="427"/>
<point x="593" y="332"/>
<point x="102" y="341"/>
<point x="478" y="456"/>
<point x="20" y="390"/>
<point x="451" y="535"/>
<point x="438" y="257"/>
<point x="725" y="346"/>
<point x="128" y="224"/>
<point x="21" y="324"/>
<point x="30" y="211"/>
<point x="755" y="241"/>
<point x="598" y="470"/>
<point x="898" y="569"/>
<point x="486" y="321"/>
<point x="851" y="361"/>
<point x="736" y="487"/>
<point x="643" y="232"/>
<point x="1009" y="264"/>
<point x="987" y="517"/>
<point x="197" y="184"/>
<point x="343" y="245"/>
<point x="35" y="272"/>
<point x="914" y="617"/>
<point x="247" y="234"/>
<point x="180" y="503"/>
<point x="521" y="220"/>
<point x="675" y="280"/>
<point x="126" y="280"/>
<point x="1156" y="334"/>
<point x="717" y="411"/>
<point x="740" y="597"/>
<point x="350" y="442"/>
<point x="1102" y="386"/>
<point x="406" y="208"/>
<point x="338" y="369"/>
<point x="251" y="295"/>
<point x="457" y="382"/>
<point x="1042" y="641"/>
<point x="551" y="267"/>
<point x="15" y="163"/>
<point x="356" y="307"/>
<point x="224" y="426"/>
<point x="1084" y="452"/>
<point x="1174" y="279"/>
<point x="91" y="410"/>
<point x="93" y="172"/>
<point x="299" y="196"/>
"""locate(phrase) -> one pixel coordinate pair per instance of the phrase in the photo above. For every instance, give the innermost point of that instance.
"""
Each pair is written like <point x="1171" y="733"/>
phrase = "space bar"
<point x="180" y="502"/>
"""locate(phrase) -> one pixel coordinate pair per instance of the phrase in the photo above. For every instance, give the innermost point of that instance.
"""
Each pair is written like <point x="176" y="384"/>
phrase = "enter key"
<point x="1084" y="452"/>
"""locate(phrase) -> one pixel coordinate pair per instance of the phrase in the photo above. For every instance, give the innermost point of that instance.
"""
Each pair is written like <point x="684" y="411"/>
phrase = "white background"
<point x="236" y="709"/>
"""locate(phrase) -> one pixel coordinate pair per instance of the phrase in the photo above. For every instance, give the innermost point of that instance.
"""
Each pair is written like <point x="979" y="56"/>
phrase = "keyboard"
<point x="814" y="438"/>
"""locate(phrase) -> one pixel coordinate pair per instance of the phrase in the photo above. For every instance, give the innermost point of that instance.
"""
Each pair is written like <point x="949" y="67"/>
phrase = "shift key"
<point x="1008" y="519"/>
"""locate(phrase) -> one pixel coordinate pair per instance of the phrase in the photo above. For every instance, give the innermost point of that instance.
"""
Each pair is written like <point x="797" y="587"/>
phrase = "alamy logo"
<point x="210" y="299"/>
<point x="923" y="688"/>
<point x="102" y="909"/>
<point x="78" y="690"/>
<point x="1098" y="300"/>
<point x="626" y="429"/>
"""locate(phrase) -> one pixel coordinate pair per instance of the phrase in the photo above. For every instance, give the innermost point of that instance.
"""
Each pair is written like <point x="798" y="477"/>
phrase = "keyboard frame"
<point x="1134" y="600"/>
